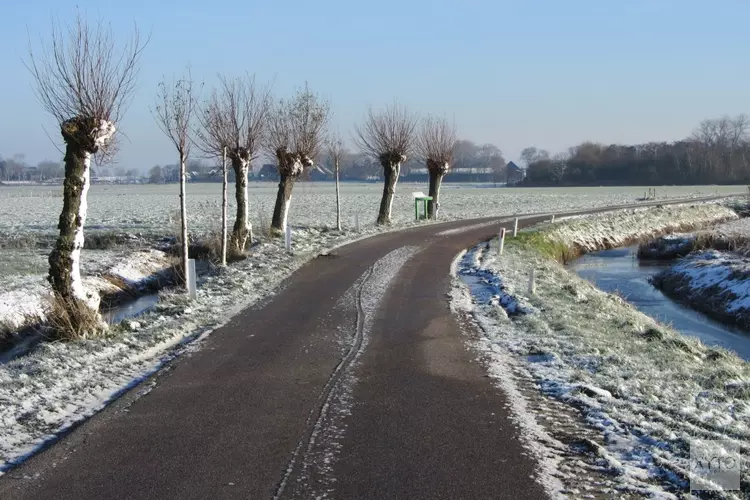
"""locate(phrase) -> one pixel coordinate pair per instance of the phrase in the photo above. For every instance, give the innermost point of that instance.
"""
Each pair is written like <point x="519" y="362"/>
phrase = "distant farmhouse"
<point x="514" y="173"/>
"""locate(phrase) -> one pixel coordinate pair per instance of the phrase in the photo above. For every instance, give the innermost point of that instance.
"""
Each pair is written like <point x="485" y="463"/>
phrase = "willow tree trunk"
<point x="83" y="137"/>
<point x="436" y="179"/>
<point x="224" y="205"/>
<point x="183" y="218"/>
<point x="242" y="231"/>
<point x="338" y="200"/>
<point x="65" y="258"/>
<point x="283" y="199"/>
<point x="390" y="178"/>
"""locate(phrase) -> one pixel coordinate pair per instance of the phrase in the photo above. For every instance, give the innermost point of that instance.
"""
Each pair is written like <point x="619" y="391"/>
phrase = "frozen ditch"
<point x="620" y="271"/>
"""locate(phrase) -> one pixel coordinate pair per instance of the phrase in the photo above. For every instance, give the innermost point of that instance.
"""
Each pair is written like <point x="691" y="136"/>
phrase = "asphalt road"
<point x="352" y="382"/>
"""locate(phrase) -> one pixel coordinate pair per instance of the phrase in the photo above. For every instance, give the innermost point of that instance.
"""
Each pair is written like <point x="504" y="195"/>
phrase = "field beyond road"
<point x="149" y="208"/>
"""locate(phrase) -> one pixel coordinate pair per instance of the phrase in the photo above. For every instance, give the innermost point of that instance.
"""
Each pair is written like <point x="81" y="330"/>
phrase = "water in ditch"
<point x="619" y="270"/>
<point x="131" y="309"/>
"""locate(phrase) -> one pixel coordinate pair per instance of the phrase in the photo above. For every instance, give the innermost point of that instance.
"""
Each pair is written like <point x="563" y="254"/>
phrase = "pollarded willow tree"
<point x="174" y="112"/>
<point x="295" y="133"/>
<point x="387" y="136"/>
<point x="86" y="82"/>
<point x="235" y="117"/>
<point x="435" y="144"/>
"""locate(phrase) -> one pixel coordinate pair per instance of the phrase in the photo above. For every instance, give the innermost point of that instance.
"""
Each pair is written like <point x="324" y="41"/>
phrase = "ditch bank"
<point x="641" y="391"/>
<point x="712" y="274"/>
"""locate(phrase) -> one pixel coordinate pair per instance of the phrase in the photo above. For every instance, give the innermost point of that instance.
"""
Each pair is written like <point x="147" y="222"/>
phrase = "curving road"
<point x="352" y="382"/>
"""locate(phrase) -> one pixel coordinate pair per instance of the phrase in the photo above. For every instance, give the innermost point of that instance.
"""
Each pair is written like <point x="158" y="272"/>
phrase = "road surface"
<point x="352" y="382"/>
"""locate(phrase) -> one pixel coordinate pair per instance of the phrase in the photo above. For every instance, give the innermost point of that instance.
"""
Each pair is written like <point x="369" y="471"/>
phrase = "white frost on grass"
<point x="733" y="235"/>
<point x="500" y="365"/>
<point x="146" y="207"/>
<point x="644" y="389"/>
<point x="618" y="228"/>
<point x="738" y="227"/>
<point x="56" y="385"/>
<point x="21" y="306"/>
<point x="719" y="280"/>
<point x="26" y="298"/>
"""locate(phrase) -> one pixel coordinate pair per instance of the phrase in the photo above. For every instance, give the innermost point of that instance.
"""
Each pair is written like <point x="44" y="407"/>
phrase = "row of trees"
<point x="16" y="169"/>
<point x="86" y="83"/>
<point x="474" y="161"/>
<point x="718" y="152"/>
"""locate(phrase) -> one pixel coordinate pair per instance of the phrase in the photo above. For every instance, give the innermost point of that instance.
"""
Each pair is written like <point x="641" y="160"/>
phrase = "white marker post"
<point x="515" y="227"/>
<point x="192" y="286"/>
<point x="288" y="238"/>
<point x="356" y="221"/>
<point x="553" y="218"/>
<point x="532" y="283"/>
<point x="502" y="241"/>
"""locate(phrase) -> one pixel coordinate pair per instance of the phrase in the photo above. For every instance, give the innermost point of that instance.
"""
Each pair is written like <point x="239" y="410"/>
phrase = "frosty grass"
<point x="643" y="391"/>
<point x="57" y="384"/>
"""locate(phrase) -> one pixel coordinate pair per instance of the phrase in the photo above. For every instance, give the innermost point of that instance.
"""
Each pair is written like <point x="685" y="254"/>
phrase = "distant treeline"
<point x="718" y="152"/>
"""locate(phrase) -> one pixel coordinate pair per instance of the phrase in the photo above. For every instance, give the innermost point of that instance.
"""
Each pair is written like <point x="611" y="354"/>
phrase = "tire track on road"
<point x="370" y="289"/>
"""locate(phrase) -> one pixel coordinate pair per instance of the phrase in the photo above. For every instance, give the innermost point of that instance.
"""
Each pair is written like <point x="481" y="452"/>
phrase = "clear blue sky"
<point x="515" y="73"/>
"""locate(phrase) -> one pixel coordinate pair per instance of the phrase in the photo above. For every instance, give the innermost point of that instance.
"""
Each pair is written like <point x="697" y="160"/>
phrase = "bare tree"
<point x="739" y="130"/>
<point x="84" y="81"/>
<point x="234" y="117"/>
<point x="387" y="136"/>
<point x="559" y="166"/>
<point x="295" y="134"/>
<point x="529" y="155"/>
<point x="174" y="112"/>
<point x="336" y="151"/>
<point x="435" y="144"/>
<point x="532" y="155"/>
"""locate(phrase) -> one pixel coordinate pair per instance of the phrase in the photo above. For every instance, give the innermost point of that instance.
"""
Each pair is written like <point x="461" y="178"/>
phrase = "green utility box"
<point x="420" y="197"/>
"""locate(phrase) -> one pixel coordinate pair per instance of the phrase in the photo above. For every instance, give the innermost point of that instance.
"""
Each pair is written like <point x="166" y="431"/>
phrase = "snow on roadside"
<point x="26" y="298"/>
<point x="717" y="283"/>
<point x="643" y="391"/>
<point x="58" y="384"/>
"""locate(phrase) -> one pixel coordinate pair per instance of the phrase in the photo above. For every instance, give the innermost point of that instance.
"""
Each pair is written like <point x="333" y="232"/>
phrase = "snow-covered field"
<point x="643" y="391"/>
<point x="56" y="385"/>
<point x="30" y="212"/>
<point x="148" y="208"/>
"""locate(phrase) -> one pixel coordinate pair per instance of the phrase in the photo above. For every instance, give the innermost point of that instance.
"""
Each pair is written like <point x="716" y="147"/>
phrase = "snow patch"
<point x="712" y="280"/>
